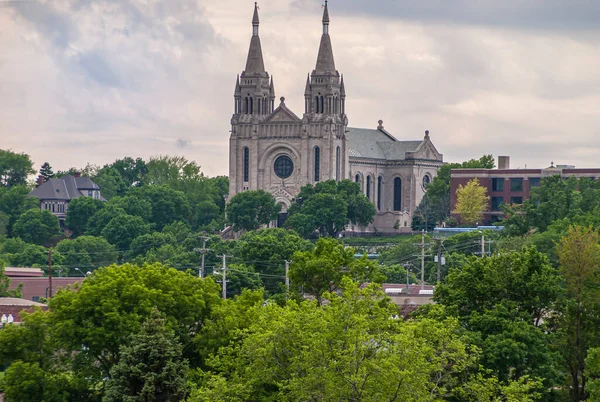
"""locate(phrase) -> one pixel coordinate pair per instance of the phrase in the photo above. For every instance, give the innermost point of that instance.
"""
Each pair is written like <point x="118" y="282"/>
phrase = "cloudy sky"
<point x="92" y="81"/>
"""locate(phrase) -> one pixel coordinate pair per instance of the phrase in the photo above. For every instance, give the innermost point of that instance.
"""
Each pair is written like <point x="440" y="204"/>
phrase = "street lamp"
<point x="83" y="274"/>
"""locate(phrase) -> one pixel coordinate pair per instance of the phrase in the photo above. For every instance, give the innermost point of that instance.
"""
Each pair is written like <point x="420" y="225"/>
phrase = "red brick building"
<point x="35" y="284"/>
<point x="509" y="186"/>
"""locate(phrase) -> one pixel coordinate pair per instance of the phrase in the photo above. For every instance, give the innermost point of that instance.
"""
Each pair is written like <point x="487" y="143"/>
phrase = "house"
<point x="55" y="194"/>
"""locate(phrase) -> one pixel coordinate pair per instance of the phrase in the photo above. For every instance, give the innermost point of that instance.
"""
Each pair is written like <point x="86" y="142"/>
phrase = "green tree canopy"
<point x="14" y="168"/>
<point x="113" y="302"/>
<point x="87" y="253"/>
<point x="151" y="367"/>
<point x="123" y="229"/>
<point x="328" y="207"/>
<point x="14" y="201"/>
<point x="80" y="211"/>
<point x="249" y="210"/>
<point x="168" y="205"/>
<point x="438" y="192"/>
<point x="266" y="250"/>
<point x="471" y="201"/>
<point x="349" y="350"/>
<point x="46" y="171"/>
<point x="322" y="269"/>
<point x="36" y="226"/>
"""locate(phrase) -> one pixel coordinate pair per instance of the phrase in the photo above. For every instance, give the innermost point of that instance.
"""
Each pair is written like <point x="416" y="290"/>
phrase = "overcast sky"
<point x="92" y="81"/>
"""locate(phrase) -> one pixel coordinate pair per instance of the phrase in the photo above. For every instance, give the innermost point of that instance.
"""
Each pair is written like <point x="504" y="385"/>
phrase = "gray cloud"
<point x="522" y="14"/>
<point x="87" y="81"/>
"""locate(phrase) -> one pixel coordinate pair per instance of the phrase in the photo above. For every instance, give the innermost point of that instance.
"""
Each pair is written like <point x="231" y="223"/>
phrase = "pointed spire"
<point x="307" y="89"/>
<point x="237" y="85"/>
<point x="342" y="87"/>
<point x="255" y="63"/>
<point x="325" y="16"/>
<point x="255" y="20"/>
<point x="325" y="60"/>
<point x="272" y="87"/>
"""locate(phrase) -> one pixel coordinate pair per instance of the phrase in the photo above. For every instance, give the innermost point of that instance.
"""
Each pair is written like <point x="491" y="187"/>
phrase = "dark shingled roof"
<point x="65" y="188"/>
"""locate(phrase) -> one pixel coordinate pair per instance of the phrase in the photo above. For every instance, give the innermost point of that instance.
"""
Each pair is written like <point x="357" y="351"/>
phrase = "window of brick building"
<point x="516" y="200"/>
<point x="516" y="184"/>
<point x="534" y="182"/>
<point x="497" y="184"/>
<point x="496" y="202"/>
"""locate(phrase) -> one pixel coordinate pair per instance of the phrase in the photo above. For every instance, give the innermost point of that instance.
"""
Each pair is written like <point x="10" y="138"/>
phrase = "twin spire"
<point x="255" y="63"/>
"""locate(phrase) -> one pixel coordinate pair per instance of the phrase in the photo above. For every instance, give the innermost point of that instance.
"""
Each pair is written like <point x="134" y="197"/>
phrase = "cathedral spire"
<point x="255" y="63"/>
<point x="325" y="62"/>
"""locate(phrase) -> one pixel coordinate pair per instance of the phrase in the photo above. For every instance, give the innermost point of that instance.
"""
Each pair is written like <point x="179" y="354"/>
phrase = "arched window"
<point x="397" y="194"/>
<point x="246" y="164"/>
<point x="322" y="105"/>
<point x="251" y="105"/>
<point x="258" y="104"/>
<point x="337" y="163"/>
<point x="246" y="110"/>
<point x="379" y="190"/>
<point x="316" y="104"/>
<point x="357" y="178"/>
<point x="317" y="163"/>
<point x="369" y="187"/>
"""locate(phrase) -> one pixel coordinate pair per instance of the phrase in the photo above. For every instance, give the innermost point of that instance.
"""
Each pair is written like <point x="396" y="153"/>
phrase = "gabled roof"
<point x="378" y="144"/>
<point x="65" y="188"/>
<point x="282" y="113"/>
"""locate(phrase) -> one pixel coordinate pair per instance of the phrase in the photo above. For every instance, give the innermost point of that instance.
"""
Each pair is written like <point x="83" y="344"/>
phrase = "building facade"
<point x="274" y="149"/>
<point x="509" y="186"/>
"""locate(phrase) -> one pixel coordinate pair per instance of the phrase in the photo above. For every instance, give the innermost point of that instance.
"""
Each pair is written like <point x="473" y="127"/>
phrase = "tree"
<point x="503" y="301"/>
<point x="36" y="226"/>
<point x="329" y="207"/>
<point x="87" y="252"/>
<point x="133" y="206"/>
<point x="5" y="285"/>
<point x="349" y="350"/>
<point x="321" y="270"/>
<point x="79" y="213"/>
<point x="46" y="171"/>
<point x="102" y="218"/>
<point x="592" y="372"/>
<point x="146" y="242"/>
<point x="168" y="205"/>
<point x="111" y="182"/>
<point x="14" y="201"/>
<point x="14" y="168"/>
<point x="471" y="202"/>
<point x="266" y="250"/>
<point x="151" y="367"/>
<point x="579" y="257"/>
<point x="123" y="229"/>
<point x="438" y="191"/>
<point x="112" y="304"/>
<point x="251" y="209"/>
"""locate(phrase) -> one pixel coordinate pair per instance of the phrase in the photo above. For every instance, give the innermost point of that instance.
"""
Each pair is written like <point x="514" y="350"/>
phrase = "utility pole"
<point x="439" y="259"/>
<point x="287" y="277"/>
<point x="482" y="246"/>
<point x="50" y="273"/>
<point x="224" y="276"/>
<point x="422" y="259"/>
<point x="202" y="251"/>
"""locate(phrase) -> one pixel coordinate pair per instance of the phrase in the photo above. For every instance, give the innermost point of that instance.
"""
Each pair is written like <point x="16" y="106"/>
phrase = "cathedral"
<point x="273" y="149"/>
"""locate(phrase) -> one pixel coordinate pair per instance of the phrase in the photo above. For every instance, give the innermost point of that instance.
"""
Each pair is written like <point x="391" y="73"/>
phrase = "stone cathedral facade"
<point x="273" y="149"/>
